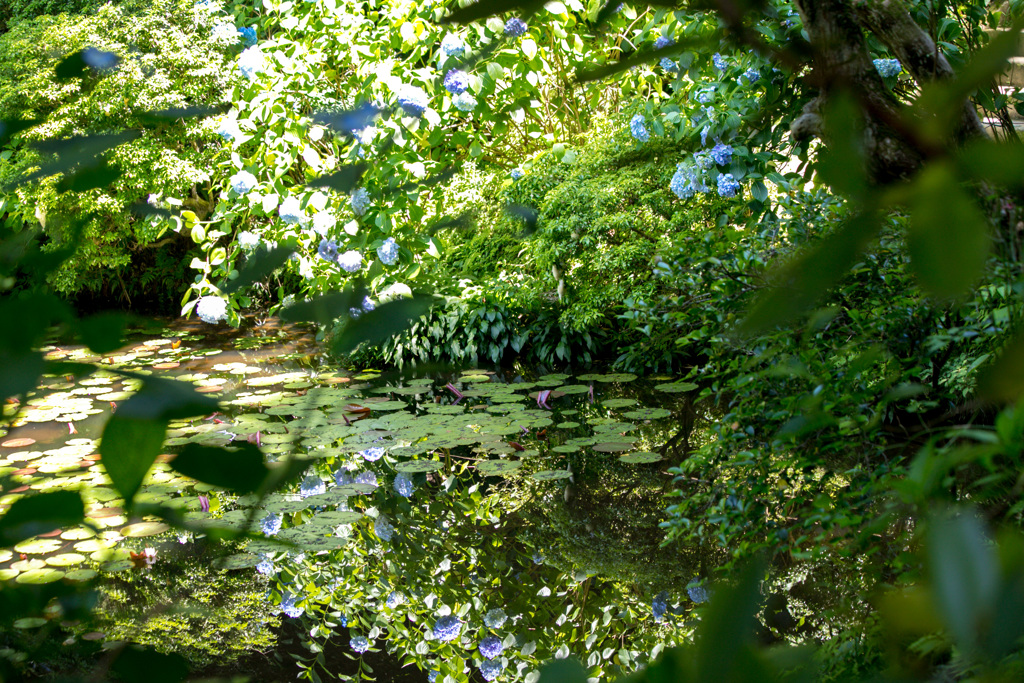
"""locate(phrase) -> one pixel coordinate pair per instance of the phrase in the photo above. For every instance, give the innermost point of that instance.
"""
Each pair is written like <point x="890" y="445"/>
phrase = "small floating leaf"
<point x="640" y="457"/>
<point x="551" y="475"/>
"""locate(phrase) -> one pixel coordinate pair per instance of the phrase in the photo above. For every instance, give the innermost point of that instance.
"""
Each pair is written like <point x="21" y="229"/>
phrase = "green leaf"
<point x="344" y="180"/>
<point x="727" y="629"/>
<point x="21" y="371"/>
<point x="89" y="176"/>
<point x="73" y="151"/>
<point x="996" y="162"/>
<point x="136" y="664"/>
<point x="39" y="514"/>
<point x="238" y="469"/>
<point x="948" y="238"/>
<point x="481" y="10"/>
<point x="563" y="671"/>
<point x="798" y="285"/>
<point x="128" y="449"/>
<point x="386" y="321"/>
<point x="1003" y="380"/>
<point x="103" y="332"/>
<point x="260" y="264"/>
<point x="965" y="574"/>
<point x="758" y="191"/>
<point x="324" y="309"/>
<point x="11" y="127"/>
<point x="165" y="399"/>
<point x="841" y="163"/>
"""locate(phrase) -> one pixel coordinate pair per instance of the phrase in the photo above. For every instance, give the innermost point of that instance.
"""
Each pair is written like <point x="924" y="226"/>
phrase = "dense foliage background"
<point x="807" y="212"/>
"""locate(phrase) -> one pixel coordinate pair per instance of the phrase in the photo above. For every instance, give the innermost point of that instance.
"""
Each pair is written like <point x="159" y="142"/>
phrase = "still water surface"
<point x="473" y="523"/>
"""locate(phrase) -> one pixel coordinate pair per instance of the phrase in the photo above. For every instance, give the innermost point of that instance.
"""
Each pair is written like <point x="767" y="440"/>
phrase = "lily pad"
<point x="675" y="387"/>
<point x="65" y="560"/>
<point x="648" y="414"/>
<point x="335" y="517"/>
<point x="498" y="467"/>
<point x="144" y="529"/>
<point x="640" y="457"/>
<point x="8" y="574"/>
<point x="239" y="561"/>
<point x="414" y="466"/>
<point x="80" y="574"/>
<point x="36" y="576"/>
<point x="29" y="622"/>
<point x="116" y="566"/>
<point x="618" y="402"/>
<point x="551" y="475"/>
<point x="38" y="546"/>
<point x="613" y="447"/>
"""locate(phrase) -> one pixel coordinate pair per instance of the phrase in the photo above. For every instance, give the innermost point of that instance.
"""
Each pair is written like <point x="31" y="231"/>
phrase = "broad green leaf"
<point x="965" y="574"/>
<point x="40" y="514"/>
<point x="128" y="448"/>
<point x="727" y="629"/>
<point x="89" y="177"/>
<point x="103" y="332"/>
<point x="134" y="664"/>
<point x="1003" y="380"/>
<point x="841" y="163"/>
<point x="997" y="162"/>
<point x="386" y="321"/>
<point x="324" y="309"/>
<point x="563" y="671"/>
<point x="344" y="180"/>
<point x="948" y="239"/>
<point x="73" y="151"/>
<point x="798" y="285"/>
<point x="165" y="399"/>
<point x="239" y="468"/>
<point x="259" y="265"/>
<point x="21" y="371"/>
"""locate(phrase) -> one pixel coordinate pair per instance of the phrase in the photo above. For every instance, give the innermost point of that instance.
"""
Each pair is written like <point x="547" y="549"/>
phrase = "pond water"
<point x="473" y="523"/>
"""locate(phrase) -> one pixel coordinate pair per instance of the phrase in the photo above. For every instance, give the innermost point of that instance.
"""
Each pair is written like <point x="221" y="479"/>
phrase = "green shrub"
<point x="169" y="60"/>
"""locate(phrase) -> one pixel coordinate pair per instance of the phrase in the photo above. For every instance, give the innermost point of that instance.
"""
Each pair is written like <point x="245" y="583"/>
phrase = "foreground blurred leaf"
<point x="482" y="10"/>
<point x="165" y="399"/>
<point x="997" y="162"/>
<point x="103" y="332"/>
<point x="10" y="127"/>
<point x="344" y="180"/>
<point x="324" y="309"/>
<point x="563" y="671"/>
<point x="39" y="514"/>
<point x="135" y="664"/>
<point x="806" y="279"/>
<point x="74" y="151"/>
<point x="965" y="574"/>
<point x="1003" y="380"/>
<point x="128" y="449"/>
<point x="21" y="371"/>
<point x="948" y="237"/>
<point x="841" y="163"/>
<point x="727" y="630"/>
<point x="239" y="469"/>
<point x="259" y="265"/>
<point x="89" y="177"/>
<point x="386" y="321"/>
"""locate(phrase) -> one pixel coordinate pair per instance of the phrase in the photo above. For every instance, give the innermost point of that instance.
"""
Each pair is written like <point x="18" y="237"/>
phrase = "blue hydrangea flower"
<point x="266" y="567"/>
<point x="490" y="669"/>
<point x="719" y="62"/>
<point x="251" y="62"/>
<point x="271" y="524"/>
<point x="99" y="60"/>
<point x="412" y="99"/>
<point x="727" y="185"/>
<point x="323" y="222"/>
<point x="705" y="96"/>
<point x="368" y="304"/>
<point x="704" y="135"/>
<point x="638" y="128"/>
<point x="229" y="130"/>
<point x="681" y="183"/>
<point x="516" y="173"/>
<point x="403" y="485"/>
<point x="289" y="607"/>
<point x="660" y="605"/>
<point x="312" y="486"/>
<point x="495" y="618"/>
<point x="368" y="478"/>
<point x="752" y="75"/>
<point x="328" y="250"/>
<point x="242" y="182"/>
<point x="212" y="309"/>
<point x="351" y="261"/>
<point x="888" y="68"/>
<point x="360" y="201"/>
<point x="248" y="240"/>
<point x="515" y="27"/>
<point x="465" y="102"/>
<point x="342" y="477"/>
<point x="343" y="620"/>
<point x="225" y="33"/>
<point x="452" y="45"/>
<point x="388" y="252"/>
<point x="538" y="558"/>
<point x="373" y="453"/>
<point x="248" y="35"/>
<point x="698" y="594"/>
<point x="359" y="644"/>
<point x="290" y="211"/>
<point x="491" y="647"/>
<point x="432" y="675"/>
<point x="663" y="41"/>
<point x="722" y="154"/>
<point x="382" y="527"/>
<point x="355" y="312"/>
<point x="394" y="599"/>
<point x="456" y="82"/>
<point x="668" y="65"/>
<point x="704" y="160"/>
<point x="447" y="628"/>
